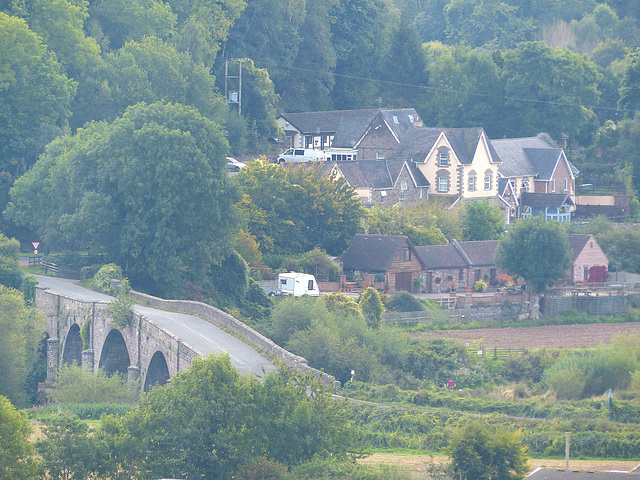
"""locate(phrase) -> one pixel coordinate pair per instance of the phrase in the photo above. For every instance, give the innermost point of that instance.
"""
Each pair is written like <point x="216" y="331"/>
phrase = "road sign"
<point x="35" y="247"/>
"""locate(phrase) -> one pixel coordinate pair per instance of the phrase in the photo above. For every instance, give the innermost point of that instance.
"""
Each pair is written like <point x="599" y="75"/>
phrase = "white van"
<point x="302" y="155"/>
<point x="296" y="284"/>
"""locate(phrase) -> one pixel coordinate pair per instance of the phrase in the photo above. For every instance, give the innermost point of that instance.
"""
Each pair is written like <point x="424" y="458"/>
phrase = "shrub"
<point x="480" y="286"/>
<point x="102" y="279"/>
<point x="404" y="302"/>
<point x="29" y="290"/>
<point x="371" y="307"/>
<point x="74" y="384"/>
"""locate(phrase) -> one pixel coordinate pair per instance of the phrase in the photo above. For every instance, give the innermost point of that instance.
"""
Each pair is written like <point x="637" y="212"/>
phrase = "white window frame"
<point x="553" y="185"/>
<point x="443" y="181"/>
<point x="488" y="181"/>
<point x="379" y="155"/>
<point x="403" y="185"/>
<point x="472" y="183"/>
<point x="443" y="159"/>
<point x="566" y="184"/>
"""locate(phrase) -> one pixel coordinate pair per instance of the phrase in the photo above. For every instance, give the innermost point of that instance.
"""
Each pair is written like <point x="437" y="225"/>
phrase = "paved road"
<point x="200" y="334"/>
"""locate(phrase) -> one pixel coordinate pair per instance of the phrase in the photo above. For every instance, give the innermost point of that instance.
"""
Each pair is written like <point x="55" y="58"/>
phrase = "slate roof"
<point x="541" y="200"/>
<point x="544" y="160"/>
<point x="561" y="474"/>
<point x="577" y="242"/>
<point x="350" y="125"/>
<point x="480" y="252"/>
<point x="379" y="174"/>
<point x="441" y="256"/>
<point x="417" y="142"/>
<point x="513" y="157"/>
<point x="372" y="253"/>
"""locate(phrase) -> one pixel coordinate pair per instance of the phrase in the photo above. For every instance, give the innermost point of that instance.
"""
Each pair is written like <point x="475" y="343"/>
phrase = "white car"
<point x="233" y="165"/>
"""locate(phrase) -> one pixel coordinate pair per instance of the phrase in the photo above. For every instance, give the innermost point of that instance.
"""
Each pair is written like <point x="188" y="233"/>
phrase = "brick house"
<point x="458" y="265"/>
<point x="384" y="181"/>
<point x="390" y="258"/>
<point x="345" y="130"/>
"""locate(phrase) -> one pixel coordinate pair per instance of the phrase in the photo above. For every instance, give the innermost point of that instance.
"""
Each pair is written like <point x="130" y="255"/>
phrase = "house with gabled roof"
<point x="383" y="181"/>
<point x="586" y="255"/>
<point x="392" y="257"/>
<point x="458" y="265"/>
<point x="458" y="162"/>
<point x="539" y="174"/>
<point x="344" y="130"/>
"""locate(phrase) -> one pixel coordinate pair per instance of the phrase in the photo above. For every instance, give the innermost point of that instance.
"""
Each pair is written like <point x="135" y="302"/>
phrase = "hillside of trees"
<point x="110" y="110"/>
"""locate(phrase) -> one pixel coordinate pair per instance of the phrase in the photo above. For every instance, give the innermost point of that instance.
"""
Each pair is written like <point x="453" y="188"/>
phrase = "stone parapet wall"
<point x="226" y="321"/>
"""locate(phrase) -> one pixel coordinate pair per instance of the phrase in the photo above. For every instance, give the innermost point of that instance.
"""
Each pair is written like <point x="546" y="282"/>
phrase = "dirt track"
<point x="555" y="336"/>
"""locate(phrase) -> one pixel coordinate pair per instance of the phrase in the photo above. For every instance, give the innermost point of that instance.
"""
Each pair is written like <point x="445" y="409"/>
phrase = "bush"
<point x="404" y="302"/>
<point x="29" y="290"/>
<point x="480" y="286"/>
<point x="90" y="271"/>
<point x="102" y="279"/>
<point x="74" y="384"/>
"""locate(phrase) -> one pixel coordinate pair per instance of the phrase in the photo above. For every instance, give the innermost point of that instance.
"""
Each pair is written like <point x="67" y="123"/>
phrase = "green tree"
<point x="60" y="24"/>
<point x="404" y="68"/>
<point x="203" y="26"/>
<point x="488" y="22"/>
<point x="35" y="99"/>
<point x="482" y="221"/>
<point x="311" y="79"/>
<point x="17" y="455"/>
<point x="268" y="31"/>
<point x="354" y="37"/>
<point x="630" y="87"/>
<point x="371" y="307"/>
<point x="535" y="249"/>
<point x="212" y="420"/>
<point x="10" y="273"/>
<point x="327" y="212"/>
<point x="68" y="449"/>
<point x="22" y="329"/>
<point x="622" y="247"/>
<point x="124" y="20"/>
<point x="148" y="70"/>
<point x="550" y="90"/>
<point x="480" y="451"/>
<point x="150" y="189"/>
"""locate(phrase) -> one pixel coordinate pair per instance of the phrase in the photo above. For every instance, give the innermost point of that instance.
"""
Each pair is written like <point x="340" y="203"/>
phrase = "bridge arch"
<point x="157" y="372"/>
<point x="72" y="352"/>
<point x="114" y="357"/>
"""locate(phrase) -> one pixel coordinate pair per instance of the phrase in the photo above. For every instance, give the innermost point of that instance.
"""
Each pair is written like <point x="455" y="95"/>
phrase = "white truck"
<point x="295" y="284"/>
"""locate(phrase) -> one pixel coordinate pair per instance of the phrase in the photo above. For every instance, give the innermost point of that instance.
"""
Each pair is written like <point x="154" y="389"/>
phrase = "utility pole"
<point x="233" y="96"/>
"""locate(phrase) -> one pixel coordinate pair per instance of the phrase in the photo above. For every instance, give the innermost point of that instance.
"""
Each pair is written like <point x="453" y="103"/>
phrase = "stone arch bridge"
<point x="156" y="344"/>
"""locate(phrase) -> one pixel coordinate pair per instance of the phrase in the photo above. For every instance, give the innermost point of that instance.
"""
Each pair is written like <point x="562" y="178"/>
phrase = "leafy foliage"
<point x="482" y="221"/>
<point x="74" y="384"/>
<point x="22" y="329"/>
<point x="293" y="210"/>
<point x="102" y="280"/>
<point x="149" y="189"/>
<point x="486" y="452"/>
<point x="10" y="274"/>
<point x="536" y="250"/>
<point x="371" y="307"/>
<point x="404" y="302"/>
<point x="210" y="421"/>
<point x="17" y="455"/>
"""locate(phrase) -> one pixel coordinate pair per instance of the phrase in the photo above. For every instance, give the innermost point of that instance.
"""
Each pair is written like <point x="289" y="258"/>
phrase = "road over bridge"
<point x="153" y="347"/>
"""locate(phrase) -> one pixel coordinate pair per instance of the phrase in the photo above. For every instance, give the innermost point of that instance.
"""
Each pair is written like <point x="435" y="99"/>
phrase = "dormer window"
<point x="395" y="119"/>
<point x="443" y="158"/>
<point x="379" y="155"/>
<point x="525" y="186"/>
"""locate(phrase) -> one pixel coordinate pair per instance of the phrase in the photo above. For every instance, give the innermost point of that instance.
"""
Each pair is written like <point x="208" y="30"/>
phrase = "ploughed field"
<point x="552" y="336"/>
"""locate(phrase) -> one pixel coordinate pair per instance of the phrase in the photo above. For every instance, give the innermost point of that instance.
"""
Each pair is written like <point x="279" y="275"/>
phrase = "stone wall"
<point x="142" y="336"/>
<point x="601" y="305"/>
<point x="226" y="321"/>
